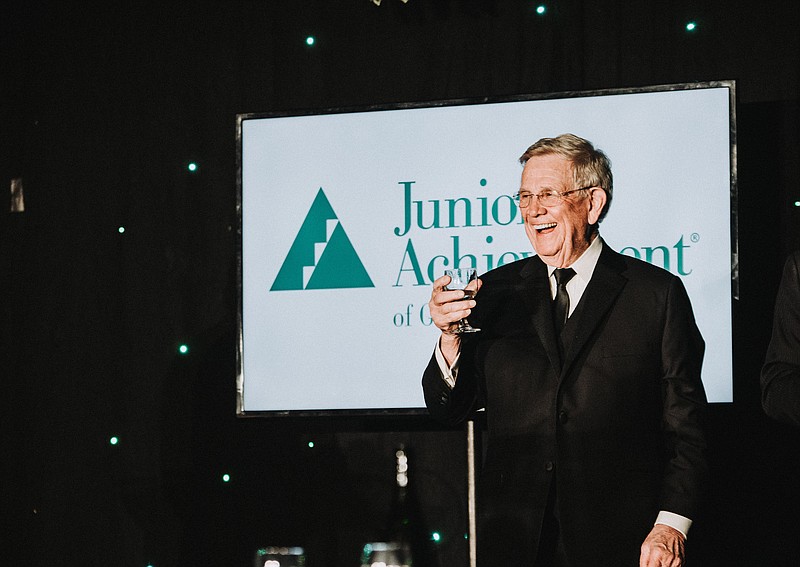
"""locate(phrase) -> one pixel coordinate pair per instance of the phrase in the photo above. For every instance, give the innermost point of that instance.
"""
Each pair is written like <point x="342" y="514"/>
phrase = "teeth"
<point x="544" y="226"/>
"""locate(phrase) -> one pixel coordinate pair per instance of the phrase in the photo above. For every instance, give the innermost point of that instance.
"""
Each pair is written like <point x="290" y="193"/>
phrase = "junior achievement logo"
<point x="321" y="256"/>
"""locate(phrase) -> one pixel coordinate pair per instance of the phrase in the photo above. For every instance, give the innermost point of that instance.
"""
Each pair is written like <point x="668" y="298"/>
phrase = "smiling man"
<point x="588" y="366"/>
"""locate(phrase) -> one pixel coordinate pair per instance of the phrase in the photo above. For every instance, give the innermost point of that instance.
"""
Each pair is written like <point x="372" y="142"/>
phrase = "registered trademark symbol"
<point x="695" y="237"/>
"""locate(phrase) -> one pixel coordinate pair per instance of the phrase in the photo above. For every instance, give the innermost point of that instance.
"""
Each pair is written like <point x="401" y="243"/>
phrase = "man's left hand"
<point x="663" y="547"/>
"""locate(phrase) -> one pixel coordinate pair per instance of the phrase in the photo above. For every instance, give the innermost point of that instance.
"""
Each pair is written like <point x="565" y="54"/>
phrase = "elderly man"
<point x="588" y="366"/>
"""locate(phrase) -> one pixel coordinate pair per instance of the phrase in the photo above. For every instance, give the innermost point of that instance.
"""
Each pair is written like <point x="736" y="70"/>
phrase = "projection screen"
<point x="348" y="215"/>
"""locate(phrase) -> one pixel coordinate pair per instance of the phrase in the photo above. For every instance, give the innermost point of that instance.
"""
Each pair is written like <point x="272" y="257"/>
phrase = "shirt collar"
<point x="585" y="264"/>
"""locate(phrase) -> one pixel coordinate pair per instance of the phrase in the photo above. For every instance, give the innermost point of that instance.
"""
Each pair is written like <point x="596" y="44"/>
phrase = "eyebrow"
<point x="546" y="188"/>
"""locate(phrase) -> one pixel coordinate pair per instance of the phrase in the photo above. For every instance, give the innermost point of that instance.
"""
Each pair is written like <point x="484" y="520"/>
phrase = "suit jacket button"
<point x="563" y="417"/>
<point x="443" y="398"/>
<point x="548" y="466"/>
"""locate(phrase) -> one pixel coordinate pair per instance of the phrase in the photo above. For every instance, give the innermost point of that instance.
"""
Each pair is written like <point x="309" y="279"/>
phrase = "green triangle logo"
<point x="321" y="256"/>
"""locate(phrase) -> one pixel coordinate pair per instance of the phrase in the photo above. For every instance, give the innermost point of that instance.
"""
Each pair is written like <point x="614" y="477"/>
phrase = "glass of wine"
<point x="386" y="554"/>
<point x="459" y="278"/>
<point x="274" y="556"/>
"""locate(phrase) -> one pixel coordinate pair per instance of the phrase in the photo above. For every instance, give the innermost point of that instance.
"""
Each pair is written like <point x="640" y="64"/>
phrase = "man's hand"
<point x="663" y="547"/>
<point x="447" y="308"/>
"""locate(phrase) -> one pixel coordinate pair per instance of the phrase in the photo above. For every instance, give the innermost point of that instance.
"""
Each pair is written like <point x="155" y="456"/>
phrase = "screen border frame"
<point x="413" y="412"/>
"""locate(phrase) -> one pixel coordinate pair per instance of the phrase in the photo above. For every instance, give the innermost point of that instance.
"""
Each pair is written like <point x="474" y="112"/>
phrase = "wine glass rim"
<point x="276" y="550"/>
<point x="461" y="272"/>
<point x="384" y="545"/>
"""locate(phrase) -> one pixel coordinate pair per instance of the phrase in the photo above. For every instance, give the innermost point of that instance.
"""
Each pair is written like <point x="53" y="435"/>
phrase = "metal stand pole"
<point x="473" y="531"/>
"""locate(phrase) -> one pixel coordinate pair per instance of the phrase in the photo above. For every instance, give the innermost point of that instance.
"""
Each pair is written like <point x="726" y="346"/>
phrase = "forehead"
<point x="548" y="171"/>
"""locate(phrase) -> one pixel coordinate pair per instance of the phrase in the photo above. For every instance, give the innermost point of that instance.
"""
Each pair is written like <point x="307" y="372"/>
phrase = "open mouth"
<point x="546" y="227"/>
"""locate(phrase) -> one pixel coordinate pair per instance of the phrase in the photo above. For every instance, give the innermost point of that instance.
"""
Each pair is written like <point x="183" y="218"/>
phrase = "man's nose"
<point x="536" y="208"/>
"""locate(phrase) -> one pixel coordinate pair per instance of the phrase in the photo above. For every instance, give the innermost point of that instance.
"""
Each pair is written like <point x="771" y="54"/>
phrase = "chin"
<point x="546" y="248"/>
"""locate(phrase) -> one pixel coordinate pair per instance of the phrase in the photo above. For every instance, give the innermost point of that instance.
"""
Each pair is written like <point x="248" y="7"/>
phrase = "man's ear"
<point x="597" y="202"/>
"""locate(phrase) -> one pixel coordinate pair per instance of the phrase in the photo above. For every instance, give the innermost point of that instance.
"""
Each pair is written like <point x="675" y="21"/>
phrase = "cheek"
<point x="530" y="232"/>
<point x="571" y="220"/>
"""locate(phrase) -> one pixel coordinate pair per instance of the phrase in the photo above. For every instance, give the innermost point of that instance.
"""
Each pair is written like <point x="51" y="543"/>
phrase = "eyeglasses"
<point x="546" y="198"/>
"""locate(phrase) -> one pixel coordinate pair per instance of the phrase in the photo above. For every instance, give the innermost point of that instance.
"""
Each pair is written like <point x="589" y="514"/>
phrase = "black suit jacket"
<point x="615" y="421"/>
<point x="780" y="376"/>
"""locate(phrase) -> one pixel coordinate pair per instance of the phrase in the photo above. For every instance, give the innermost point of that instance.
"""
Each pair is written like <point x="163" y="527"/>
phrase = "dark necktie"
<point x="563" y="275"/>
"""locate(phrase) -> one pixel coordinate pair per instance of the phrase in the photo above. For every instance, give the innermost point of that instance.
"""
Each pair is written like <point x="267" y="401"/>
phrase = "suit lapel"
<point x="600" y="295"/>
<point x="535" y="290"/>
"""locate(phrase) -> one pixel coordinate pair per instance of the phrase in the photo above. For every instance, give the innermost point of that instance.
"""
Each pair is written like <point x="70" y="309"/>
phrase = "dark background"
<point x="102" y="107"/>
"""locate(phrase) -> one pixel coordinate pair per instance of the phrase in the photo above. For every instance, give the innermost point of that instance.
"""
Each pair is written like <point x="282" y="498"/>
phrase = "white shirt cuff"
<point x="675" y="521"/>
<point x="449" y="373"/>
